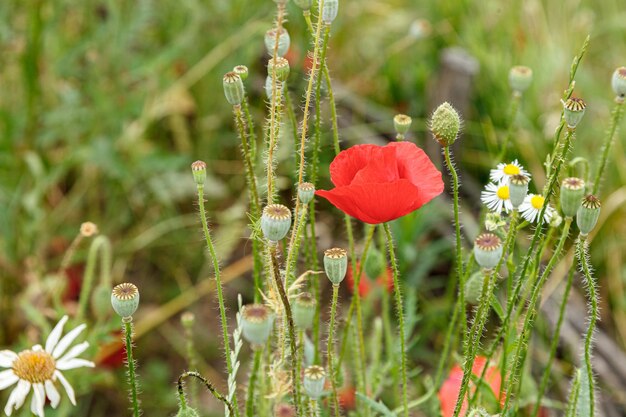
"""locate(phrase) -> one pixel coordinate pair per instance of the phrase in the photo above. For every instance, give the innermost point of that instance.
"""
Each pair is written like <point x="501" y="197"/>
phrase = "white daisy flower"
<point x="531" y="208"/>
<point x="496" y="197"/>
<point x="504" y="171"/>
<point x="39" y="368"/>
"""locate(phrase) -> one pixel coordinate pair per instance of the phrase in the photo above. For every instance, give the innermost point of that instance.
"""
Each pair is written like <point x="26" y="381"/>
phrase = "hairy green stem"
<point x="515" y="101"/>
<point x="101" y="245"/>
<point x="252" y="384"/>
<point x="208" y="385"/>
<point x="131" y="364"/>
<point x="616" y="117"/>
<point x="330" y="348"/>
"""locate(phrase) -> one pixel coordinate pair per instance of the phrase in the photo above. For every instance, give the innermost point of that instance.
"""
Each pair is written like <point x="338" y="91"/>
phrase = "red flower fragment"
<point x="377" y="184"/>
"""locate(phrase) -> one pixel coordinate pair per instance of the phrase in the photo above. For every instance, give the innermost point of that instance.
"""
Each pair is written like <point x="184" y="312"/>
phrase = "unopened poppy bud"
<point x="487" y="250"/>
<point x="284" y="410"/>
<point x="198" y="169"/>
<point x="283" y="42"/>
<point x="520" y="78"/>
<point x="445" y="124"/>
<point x="304" y="311"/>
<point x="329" y="11"/>
<point x="572" y="193"/>
<point x="474" y="287"/>
<point x="187" y="412"/>
<point x="278" y="66"/>
<point x="618" y="82"/>
<point x="256" y="322"/>
<point x="304" y="4"/>
<point x="402" y="124"/>
<point x="573" y="111"/>
<point x="306" y="192"/>
<point x="233" y="88"/>
<point x="314" y="378"/>
<point x="374" y="263"/>
<point x="518" y="188"/>
<point x="275" y="222"/>
<point x="125" y="299"/>
<point x="336" y="264"/>
<point x="242" y="71"/>
<point x="588" y="214"/>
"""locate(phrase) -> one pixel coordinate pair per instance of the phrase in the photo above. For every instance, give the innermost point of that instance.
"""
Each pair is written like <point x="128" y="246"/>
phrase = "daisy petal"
<point x="67" y="386"/>
<point x="73" y="363"/>
<point x="6" y="358"/>
<point x="55" y="335"/>
<point x="7" y="378"/>
<point x="39" y="398"/>
<point x="67" y="341"/>
<point x="17" y="397"/>
<point x="52" y="394"/>
<point x="75" y="351"/>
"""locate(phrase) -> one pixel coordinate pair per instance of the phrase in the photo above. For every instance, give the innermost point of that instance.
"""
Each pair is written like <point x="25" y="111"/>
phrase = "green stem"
<point x="252" y="384"/>
<point x="400" y="310"/>
<point x="331" y="347"/>
<point x="582" y="253"/>
<point x="100" y="246"/>
<point x="131" y="364"/>
<point x="515" y="101"/>
<point x="616" y="116"/>
<point x="251" y="132"/>
<point x="208" y="385"/>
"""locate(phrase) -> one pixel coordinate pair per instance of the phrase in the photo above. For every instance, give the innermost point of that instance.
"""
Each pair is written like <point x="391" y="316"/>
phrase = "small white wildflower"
<point x="531" y="208"/>
<point x="504" y="171"/>
<point x="497" y="197"/>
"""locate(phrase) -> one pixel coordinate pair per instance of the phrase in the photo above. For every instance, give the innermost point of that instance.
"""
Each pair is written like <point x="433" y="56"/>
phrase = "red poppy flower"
<point x="366" y="283"/>
<point x="449" y="391"/>
<point x="377" y="184"/>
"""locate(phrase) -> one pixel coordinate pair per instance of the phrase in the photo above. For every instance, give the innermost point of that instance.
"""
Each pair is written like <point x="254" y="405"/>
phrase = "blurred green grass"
<point x="105" y="103"/>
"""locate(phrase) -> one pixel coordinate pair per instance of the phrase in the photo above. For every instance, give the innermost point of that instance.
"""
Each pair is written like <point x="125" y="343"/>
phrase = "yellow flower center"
<point x="537" y="201"/>
<point x="511" y="169"/>
<point x="503" y="192"/>
<point x="34" y="366"/>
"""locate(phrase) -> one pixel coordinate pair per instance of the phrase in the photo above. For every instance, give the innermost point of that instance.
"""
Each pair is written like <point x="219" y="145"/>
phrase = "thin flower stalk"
<point x="400" y="311"/>
<point x="131" y="364"/>
<point x="251" y="131"/>
<point x="254" y="376"/>
<point x="208" y="385"/>
<point x="515" y="102"/>
<point x="616" y="117"/>
<point x="330" y="349"/>
<point x="99" y="251"/>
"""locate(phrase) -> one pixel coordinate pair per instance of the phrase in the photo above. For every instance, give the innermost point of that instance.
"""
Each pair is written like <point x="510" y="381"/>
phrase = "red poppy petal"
<point x="415" y="166"/>
<point x="345" y="165"/>
<point x="383" y="168"/>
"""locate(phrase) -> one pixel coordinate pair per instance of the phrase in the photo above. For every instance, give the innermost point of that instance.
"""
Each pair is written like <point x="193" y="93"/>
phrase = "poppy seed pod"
<point x="233" y="88"/>
<point x="256" y="322"/>
<point x="304" y="4"/>
<point x="573" y="111"/>
<point x="374" y="263"/>
<point x="283" y="42"/>
<point x="198" y="169"/>
<point x="445" y="124"/>
<point x="304" y="311"/>
<point x="588" y="214"/>
<point x="278" y="66"/>
<point x="125" y="299"/>
<point x="487" y="250"/>
<point x="242" y="71"/>
<point x="402" y="123"/>
<point x="520" y="78"/>
<point x="336" y="264"/>
<point x="314" y="378"/>
<point x="572" y="193"/>
<point x="474" y="287"/>
<point x="275" y="222"/>
<point x="329" y="11"/>
<point x="618" y="82"/>
<point x="518" y="188"/>
<point x="306" y="192"/>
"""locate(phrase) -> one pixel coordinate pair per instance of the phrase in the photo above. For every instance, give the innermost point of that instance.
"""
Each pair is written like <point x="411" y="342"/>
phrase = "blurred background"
<point x="104" y="105"/>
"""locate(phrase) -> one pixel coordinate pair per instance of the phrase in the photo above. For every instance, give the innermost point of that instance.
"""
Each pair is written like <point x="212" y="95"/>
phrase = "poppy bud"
<point x="573" y="111"/>
<point x="278" y="66"/>
<point x="187" y="412"/>
<point x="198" y="169"/>
<point x="588" y="214"/>
<point x="314" y="378"/>
<point x="518" y="188"/>
<point x="520" y="78"/>
<point x="284" y="410"/>
<point x="329" y="11"/>
<point x="304" y="311"/>
<point x="306" y="192"/>
<point x="283" y="42"/>
<point x="275" y="222"/>
<point x="487" y="250"/>
<point x="445" y="124"/>
<point x="374" y="263"/>
<point x="242" y="71"/>
<point x="233" y="88"/>
<point x="336" y="264"/>
<point x="572" y="193"/>
<point x="125" y="299"/>
<point x="402" y="124"/>
<point x="304" y="4"/>
<point x="474" y="287"/>
<point x="256" y="322"/>
<point x="618" y="82"/>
